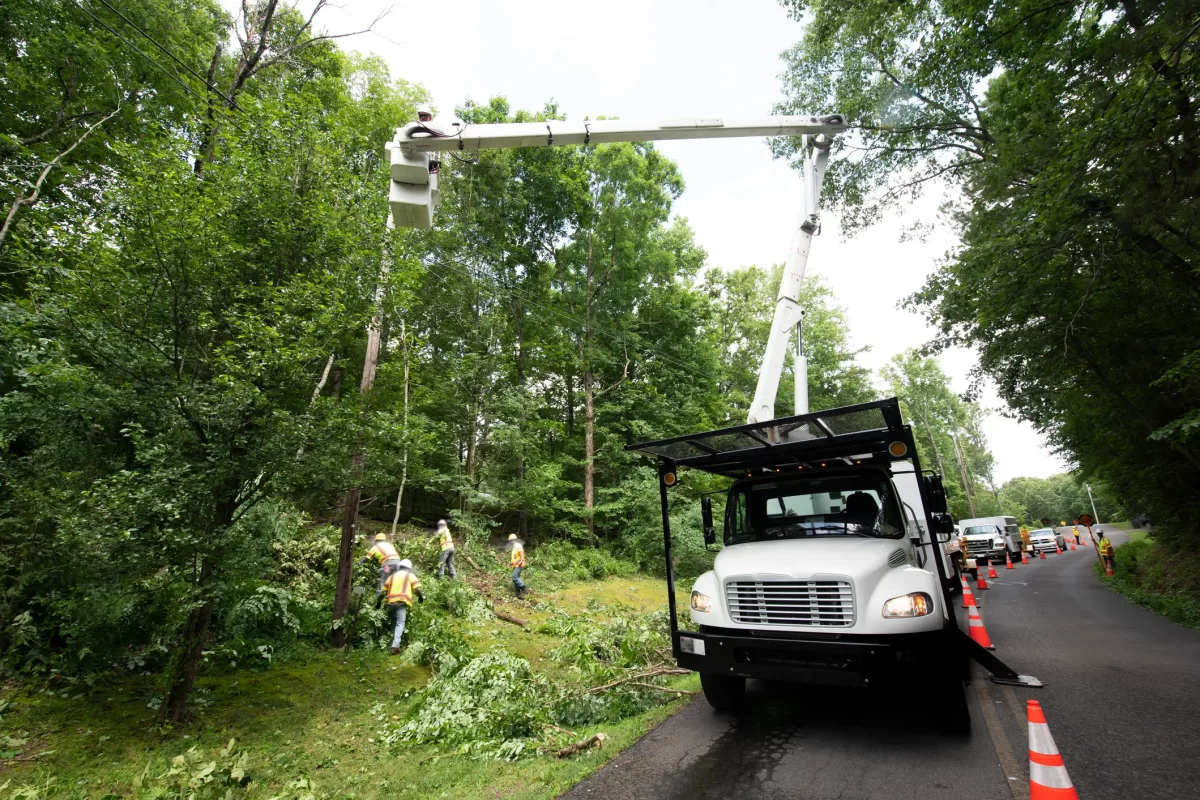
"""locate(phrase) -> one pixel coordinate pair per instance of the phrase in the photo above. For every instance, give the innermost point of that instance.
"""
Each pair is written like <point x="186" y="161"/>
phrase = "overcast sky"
<point x="658" y="59"/>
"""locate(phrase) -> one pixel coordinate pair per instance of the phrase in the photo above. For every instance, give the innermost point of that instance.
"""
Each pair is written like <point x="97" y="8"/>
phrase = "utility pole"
<point x="1095" y="516"/>
<point x="966" y="478"/>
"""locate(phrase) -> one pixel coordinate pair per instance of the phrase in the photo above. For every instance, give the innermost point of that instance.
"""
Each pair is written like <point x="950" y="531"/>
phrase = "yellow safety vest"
<point x="518" y="556"/>
<point x="1074" y="530"/>
<point x="400" y="587"/>
<point x="447" y="541"/>
<point x="383" y="552"/>
<point x="1106" y="548"/>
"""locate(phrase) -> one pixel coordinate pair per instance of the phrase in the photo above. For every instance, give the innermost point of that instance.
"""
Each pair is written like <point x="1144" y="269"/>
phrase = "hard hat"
<point x="381" y="537"/>
<point x="424" y="109"/>
<point x="512" y="537"/>
<point x="406" y="564"/>
<point x="442" y="523"/>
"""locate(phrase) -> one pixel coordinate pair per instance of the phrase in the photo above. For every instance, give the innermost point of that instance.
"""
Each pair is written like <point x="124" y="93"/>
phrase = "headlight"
<point x="917" y="604"/>
<point x="700" y="602"/>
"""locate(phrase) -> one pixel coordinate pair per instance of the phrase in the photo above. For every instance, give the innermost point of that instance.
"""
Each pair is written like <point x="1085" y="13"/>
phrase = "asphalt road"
<point x="1122" y="699"/>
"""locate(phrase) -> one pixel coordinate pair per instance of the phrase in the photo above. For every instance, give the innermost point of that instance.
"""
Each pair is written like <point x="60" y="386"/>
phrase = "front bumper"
<point x="817" y="659"/>
<point x="1038" y="546"/>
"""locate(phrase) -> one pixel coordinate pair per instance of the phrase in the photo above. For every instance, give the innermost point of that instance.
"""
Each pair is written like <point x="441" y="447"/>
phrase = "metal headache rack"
<point x="820" y="439"/>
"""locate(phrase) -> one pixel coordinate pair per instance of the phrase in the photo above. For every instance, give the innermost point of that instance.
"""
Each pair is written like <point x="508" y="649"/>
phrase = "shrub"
<point x="579" y="563"/>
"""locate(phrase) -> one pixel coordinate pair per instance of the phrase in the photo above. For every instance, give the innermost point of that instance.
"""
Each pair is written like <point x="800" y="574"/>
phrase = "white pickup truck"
<point x="833" y="570"/>
<point x="990" y="537"/>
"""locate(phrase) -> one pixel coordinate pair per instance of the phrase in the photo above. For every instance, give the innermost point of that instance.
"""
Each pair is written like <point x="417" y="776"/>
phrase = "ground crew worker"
<point x="1107" y="551"/>
<point x="446" y="562"/>
<point x="399" y="589"/>
<point x="383" y="552"/>
<point x="1075" y="530"/>
<point x="517" y="562"/>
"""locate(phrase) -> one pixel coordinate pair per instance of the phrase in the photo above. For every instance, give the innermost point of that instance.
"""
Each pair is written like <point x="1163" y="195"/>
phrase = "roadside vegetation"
<point x="1152" y="575"/>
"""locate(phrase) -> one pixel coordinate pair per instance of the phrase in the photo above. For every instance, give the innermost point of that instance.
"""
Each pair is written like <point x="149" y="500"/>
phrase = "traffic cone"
<point x="1008" y="560"/>
<point x="992" y="572"/>
<point x="1072" y="545"/>
<point x="976" y="629"/>
<point x="1048" y="778"/>
<point x="1108" y="569"/>
<point x="1057" y="549"/>
<point x="980" y="583"/>
<point x="1041" y="553"/>
<point x="1023" y="559"/>
<point x="968" y="600"/>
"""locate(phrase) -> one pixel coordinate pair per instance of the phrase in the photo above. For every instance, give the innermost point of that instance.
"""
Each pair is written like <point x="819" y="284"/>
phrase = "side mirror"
<point x="710" y="532"/>
<point x="937" y="494"/>
<point x="943" y="527"/>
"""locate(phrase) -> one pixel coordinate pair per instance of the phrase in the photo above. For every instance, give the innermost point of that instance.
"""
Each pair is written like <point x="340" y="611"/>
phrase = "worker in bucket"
<point x="516" y="560"/>
<point x="399" y="589"/>
<point x="446" y="562"/>
<point x="383" y="553"/>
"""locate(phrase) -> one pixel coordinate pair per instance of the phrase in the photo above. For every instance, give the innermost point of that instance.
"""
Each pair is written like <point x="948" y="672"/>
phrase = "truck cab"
<point x="990" y="537"/>
<point x="833" y="569"/>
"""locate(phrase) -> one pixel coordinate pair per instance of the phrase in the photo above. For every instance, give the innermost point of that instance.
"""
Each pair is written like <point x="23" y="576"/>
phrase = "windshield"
<point x="973" y="530"/>
<point x="1042" y="532"/>
<point x="838" y="505"/>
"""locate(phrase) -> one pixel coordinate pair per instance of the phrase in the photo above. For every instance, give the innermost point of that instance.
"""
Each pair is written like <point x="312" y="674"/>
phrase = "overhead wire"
<point x="148" y="58"/>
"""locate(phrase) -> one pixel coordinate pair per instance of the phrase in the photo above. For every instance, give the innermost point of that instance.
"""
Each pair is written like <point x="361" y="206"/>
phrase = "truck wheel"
<point x="953" y="716"/>
<point x="723" y="692"/>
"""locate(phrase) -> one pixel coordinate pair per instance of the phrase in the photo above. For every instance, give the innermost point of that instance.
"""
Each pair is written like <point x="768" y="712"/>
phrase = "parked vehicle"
<point x="990" y="537"/>
<point x="1046" y="539"/>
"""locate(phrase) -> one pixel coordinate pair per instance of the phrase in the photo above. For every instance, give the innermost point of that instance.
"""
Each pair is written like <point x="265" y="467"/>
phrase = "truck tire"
<point x="723" y="692"/>
<point x="953" y="715"/>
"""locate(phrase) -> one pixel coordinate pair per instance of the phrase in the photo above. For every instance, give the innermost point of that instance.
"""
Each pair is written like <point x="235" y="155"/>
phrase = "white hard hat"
<point x="406" y="564"/>
<point x="424" y="109"/>
<point x="442" y="523"/>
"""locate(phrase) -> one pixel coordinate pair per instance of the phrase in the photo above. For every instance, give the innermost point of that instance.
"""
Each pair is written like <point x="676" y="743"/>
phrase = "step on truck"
<point x="833" y="570"/>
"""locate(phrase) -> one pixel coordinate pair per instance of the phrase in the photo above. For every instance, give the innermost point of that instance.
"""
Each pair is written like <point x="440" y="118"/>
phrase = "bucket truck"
<point x="833" y="570"/>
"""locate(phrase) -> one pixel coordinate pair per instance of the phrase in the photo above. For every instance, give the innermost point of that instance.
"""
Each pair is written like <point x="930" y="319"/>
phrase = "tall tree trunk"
<point x="570" y="380"/>
<point x="589" y="452"/>
<point x="341" y="597"/>
<point x="404" y="461"/>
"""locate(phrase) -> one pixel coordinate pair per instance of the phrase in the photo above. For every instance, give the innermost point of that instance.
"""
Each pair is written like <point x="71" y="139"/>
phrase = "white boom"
<point x="414" y="196"/>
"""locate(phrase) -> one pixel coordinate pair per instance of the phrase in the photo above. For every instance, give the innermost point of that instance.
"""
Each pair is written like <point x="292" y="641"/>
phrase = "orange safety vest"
<point x="400" y="587"/>
<point x="383" y="552"/>
<point x="447" y="541"/>
<point x="518" y="556"/>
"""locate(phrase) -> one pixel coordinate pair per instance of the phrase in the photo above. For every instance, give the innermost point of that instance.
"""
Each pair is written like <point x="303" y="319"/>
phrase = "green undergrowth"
<point x="1159" y="579"/>
<point x="474" y="707"/>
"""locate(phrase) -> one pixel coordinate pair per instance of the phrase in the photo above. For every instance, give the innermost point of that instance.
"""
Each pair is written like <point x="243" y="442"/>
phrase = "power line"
<point x="172" y="56"/>
<point x="157" y="65"/>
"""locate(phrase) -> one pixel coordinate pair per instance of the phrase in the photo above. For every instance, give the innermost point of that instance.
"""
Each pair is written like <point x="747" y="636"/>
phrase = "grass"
<point x="314" y="717"/>
<point x="1165" y="582"/>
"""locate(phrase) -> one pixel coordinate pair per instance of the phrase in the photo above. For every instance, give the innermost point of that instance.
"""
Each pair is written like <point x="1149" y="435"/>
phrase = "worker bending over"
<point x="517" y="562"/>
<point x="446" y="562"/>
<point x="383" y="552"/>
<point x="399" y="589"/>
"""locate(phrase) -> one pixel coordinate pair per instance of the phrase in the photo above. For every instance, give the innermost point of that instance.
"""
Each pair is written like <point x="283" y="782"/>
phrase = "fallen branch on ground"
<point x="471" y="561"/>
<point x="596" y="740"/>
<point x="557" y="728"/>
<point x="524" y="623"/>
<point x="661" y="688"/>
<point x="640" y="676"/>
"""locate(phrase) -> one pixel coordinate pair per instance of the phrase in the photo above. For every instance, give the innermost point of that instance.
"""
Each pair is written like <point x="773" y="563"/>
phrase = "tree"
<point x="1071" y="131"/>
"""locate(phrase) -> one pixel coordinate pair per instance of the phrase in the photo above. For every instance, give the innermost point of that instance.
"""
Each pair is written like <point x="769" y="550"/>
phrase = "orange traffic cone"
<point x="976" y="629"/>
<point x="1041" y="553"/>
<point x="980" y="583"/>
<point x="1023" y="559"/>
<point x="1048" y="778"/>
<point x="1008" y="560"/>
<point x="1108" y="568"/>
<point x="968" y="600"/>
<point x="1057" y="549"/>
<point x="992" y="572"/>
<point x="1072" y="545"/>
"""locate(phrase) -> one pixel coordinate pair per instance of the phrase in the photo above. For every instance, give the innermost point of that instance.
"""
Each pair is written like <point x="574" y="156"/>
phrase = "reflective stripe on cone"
<point x="968" y="597"/>
<point x="1008" y="560"/>
<point x="1048" y="778"/>
<point x="976" y="629"/>
<point x="992" y="572"/>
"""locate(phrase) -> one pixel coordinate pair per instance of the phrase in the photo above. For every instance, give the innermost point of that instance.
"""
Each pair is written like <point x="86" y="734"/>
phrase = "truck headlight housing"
<point x="701" y="602"/>
<point x="915" y="604"/>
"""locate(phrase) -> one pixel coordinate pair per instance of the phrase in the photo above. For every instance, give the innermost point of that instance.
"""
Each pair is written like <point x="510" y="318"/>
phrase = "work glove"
<point x="420" y="598"/>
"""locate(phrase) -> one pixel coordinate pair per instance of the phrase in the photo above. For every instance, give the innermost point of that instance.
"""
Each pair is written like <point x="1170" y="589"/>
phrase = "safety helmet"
<point x="381" y="537"/>
<point x="424" y="109"/>
<point x="512" y="537"/>
<point x="406" y="564"/>
<point x="442" y="523"/>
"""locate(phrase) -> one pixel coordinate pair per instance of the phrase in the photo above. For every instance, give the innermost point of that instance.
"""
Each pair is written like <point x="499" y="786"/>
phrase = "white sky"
<point x="656" y="59"/>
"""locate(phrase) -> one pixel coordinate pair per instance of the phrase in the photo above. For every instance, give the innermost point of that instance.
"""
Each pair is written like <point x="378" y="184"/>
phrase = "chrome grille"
<point x="979" y="546"/>
<point x="827" y="604"/>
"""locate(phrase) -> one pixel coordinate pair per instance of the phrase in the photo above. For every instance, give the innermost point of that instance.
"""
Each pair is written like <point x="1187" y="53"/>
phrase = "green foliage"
<point x="493" y="699"/>
<point x="581" y="563"/>
<point x="609" y="639"/>
<point x="193" y="775"/>
<point x="1066" y="134"/>
<point x="1166" y="582"/>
